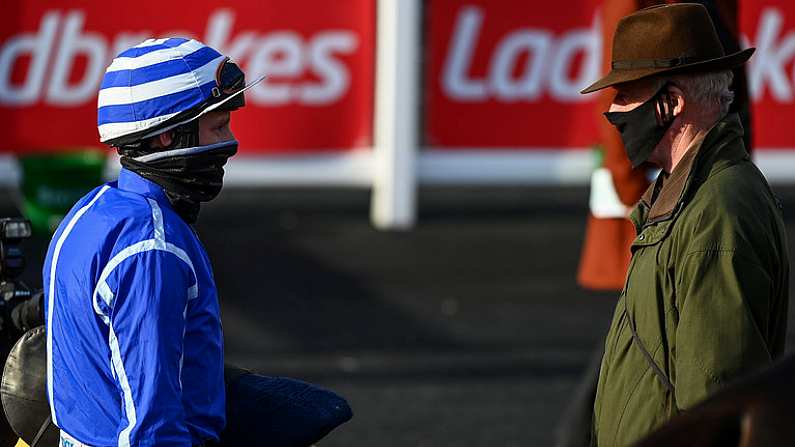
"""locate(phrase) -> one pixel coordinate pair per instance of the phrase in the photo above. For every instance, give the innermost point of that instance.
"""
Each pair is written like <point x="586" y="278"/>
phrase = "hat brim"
<point x="621" y="76"/>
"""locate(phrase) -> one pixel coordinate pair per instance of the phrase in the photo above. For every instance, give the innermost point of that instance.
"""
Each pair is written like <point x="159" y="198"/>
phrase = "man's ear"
<point x="678" y="99"/>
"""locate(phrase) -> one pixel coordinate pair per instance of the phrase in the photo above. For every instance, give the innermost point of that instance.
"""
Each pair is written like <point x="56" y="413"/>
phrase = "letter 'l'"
<point x="464" y="40"/>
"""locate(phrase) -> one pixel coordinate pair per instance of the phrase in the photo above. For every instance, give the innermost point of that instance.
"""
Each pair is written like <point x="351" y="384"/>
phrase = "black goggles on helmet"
<point x="229" y="79"/>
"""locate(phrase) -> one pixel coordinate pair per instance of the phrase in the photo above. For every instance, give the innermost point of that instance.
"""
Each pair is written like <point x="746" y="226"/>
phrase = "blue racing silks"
<point x="134" y="339"/>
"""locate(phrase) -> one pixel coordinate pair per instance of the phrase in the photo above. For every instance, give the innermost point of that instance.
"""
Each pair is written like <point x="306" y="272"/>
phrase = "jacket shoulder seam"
<point x="722" y="252"/>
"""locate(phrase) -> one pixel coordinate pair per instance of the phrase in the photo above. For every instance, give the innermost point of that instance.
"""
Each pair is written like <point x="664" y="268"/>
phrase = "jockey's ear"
<point x="163" y="140"/>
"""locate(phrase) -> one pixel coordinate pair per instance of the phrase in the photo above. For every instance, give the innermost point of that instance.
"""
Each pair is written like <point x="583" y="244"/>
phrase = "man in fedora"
<point x="705" y="298"/>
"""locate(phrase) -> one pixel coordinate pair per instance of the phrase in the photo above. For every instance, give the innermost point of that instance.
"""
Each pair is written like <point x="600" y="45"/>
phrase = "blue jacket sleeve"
<point x="147" y="328"/>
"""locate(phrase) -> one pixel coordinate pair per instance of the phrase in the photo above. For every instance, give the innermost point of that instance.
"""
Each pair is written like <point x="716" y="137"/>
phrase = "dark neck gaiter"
<point x="643" y="127"/>
<point x="189" y="176"/>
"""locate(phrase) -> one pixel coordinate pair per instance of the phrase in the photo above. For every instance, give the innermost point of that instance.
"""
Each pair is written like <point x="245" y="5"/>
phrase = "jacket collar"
<point x="132" y="182"/>
<point x="706" y="156"/>
<point x="662" y="196"/>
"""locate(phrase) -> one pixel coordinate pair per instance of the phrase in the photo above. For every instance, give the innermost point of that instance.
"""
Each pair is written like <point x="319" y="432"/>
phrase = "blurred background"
<point x="405" y="220"/>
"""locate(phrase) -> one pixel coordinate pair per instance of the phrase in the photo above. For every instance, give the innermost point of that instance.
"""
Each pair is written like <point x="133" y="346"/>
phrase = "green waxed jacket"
<point x="706" y="291"/>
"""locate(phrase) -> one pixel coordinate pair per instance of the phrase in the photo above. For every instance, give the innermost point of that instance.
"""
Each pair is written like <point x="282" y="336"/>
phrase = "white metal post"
<point x="394" y="203"/>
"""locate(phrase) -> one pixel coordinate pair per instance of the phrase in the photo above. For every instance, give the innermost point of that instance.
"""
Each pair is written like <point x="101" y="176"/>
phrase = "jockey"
<point x="134" y="339"/>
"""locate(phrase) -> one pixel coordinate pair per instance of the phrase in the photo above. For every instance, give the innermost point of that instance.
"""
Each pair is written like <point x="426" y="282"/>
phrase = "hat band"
<point x="652" y="63"/>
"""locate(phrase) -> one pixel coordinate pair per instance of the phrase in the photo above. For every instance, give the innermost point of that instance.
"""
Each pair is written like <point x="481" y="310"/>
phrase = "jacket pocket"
<point x="646" y="407"/>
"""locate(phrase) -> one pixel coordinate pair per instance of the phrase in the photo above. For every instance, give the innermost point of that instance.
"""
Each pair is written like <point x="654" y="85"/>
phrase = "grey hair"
<point x="711" y="89"/>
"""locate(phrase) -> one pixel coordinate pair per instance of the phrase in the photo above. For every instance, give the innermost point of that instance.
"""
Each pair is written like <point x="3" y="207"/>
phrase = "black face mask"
<point x="643" y="127"/>
<point x="189" y="176"/>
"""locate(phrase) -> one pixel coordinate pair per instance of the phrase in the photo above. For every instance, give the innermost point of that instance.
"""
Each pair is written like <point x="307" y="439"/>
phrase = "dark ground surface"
<point x="467" y="331"/>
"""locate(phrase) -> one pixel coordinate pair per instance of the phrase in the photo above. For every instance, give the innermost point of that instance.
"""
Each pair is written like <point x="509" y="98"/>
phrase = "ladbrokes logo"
<point x="548" y="62"/>
<point x="306" y="71"/>
<point x="775" y="52"/>
<point x="528" y="63"/>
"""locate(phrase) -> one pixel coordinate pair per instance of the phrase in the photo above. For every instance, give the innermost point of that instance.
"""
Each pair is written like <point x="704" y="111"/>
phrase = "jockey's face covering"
<point x="643" y="127"/>
<point x="189" y="175"/>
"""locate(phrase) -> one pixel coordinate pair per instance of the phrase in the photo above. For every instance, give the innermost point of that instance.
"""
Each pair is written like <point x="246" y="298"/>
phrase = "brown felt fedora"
<point x="666" y="39"/>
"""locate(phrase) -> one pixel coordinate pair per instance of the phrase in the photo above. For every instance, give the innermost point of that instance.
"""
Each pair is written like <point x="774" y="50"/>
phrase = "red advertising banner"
<point x="769" y="25"/>
<point x="507" y="74"/>
<point x="319" y="58"/>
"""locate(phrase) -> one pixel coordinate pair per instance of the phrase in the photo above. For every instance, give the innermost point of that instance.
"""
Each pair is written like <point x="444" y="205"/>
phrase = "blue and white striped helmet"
<point x="160" y="84"/>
